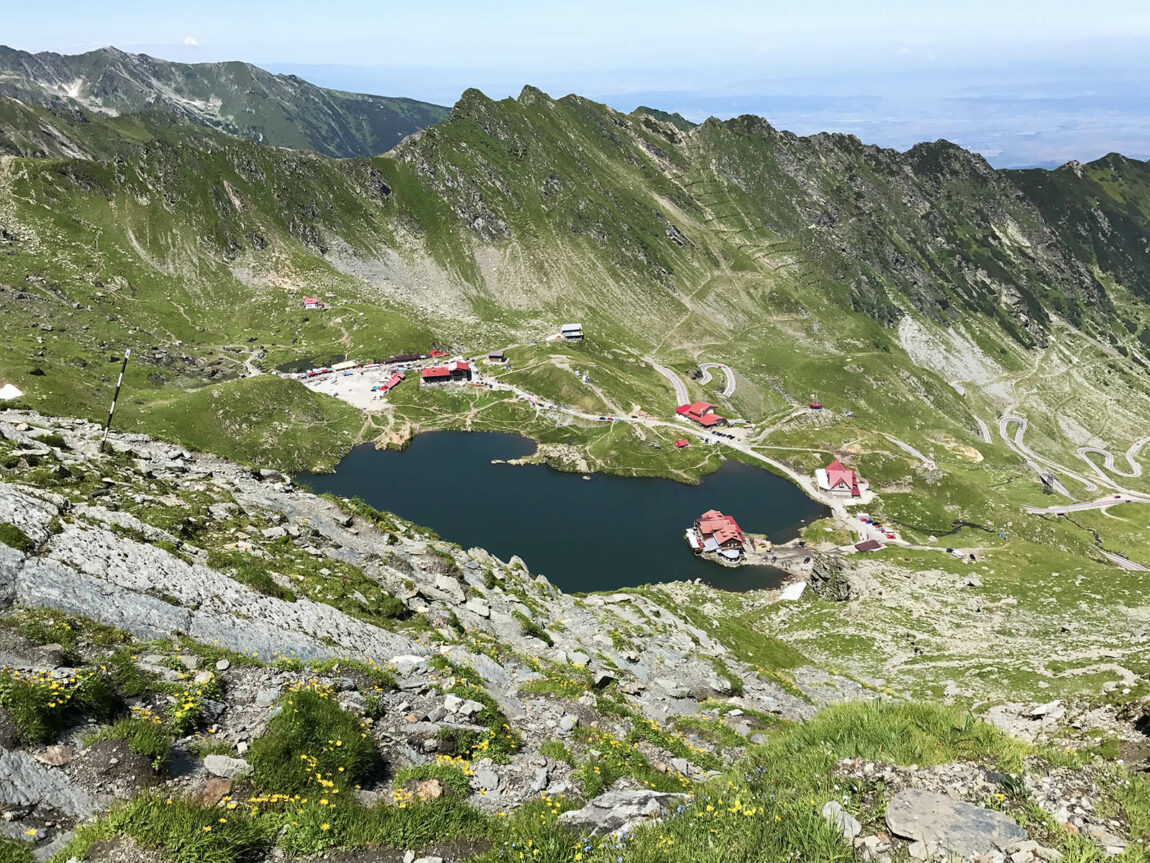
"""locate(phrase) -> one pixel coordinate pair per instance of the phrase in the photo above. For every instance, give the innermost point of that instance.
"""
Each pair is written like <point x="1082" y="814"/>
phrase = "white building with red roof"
<point x="838" y="479"/>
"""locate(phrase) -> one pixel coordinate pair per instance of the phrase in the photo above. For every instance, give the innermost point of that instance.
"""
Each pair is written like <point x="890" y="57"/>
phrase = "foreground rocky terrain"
<point x="202" y="661"/>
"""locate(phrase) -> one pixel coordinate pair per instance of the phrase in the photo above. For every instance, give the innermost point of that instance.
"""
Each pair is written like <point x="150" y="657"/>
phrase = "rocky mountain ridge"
<point x="234" y="97"/>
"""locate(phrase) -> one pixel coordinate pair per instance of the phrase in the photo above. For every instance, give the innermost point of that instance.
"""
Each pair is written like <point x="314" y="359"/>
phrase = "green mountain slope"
<point x="919" y="291"/>
<point x="239" y="98"/>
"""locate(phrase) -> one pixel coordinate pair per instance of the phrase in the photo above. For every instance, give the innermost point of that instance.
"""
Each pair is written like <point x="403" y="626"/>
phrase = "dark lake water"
<point x="602" y="533"/>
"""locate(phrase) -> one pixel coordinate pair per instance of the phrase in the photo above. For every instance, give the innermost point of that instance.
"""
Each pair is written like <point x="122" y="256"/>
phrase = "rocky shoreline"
<point x="243" y="587"/>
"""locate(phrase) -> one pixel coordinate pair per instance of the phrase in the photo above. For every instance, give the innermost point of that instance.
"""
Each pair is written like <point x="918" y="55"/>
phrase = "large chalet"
<point x="715" y="532"/>
<point x="457" y="370"/>
<point x="702" y="413"/>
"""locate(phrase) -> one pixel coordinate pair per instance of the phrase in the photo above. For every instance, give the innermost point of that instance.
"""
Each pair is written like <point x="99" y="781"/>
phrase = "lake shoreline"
<point x="585" y="531"/>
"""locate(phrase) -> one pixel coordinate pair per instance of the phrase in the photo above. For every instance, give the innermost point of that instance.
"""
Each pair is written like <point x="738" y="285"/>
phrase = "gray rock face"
<point x="941" y="822"/>
<point x="619" y="812"/>
<point x="487" y="779"/>
<point x="227" y="767"/>
<point x="98" y="574"/>
<point x="451" y="588"/>
<point x="405" y="666"/>
<point x="828" y="578"/>
<point x="841" y="820"/>
<point x="478" y="606"/>
<point x="23" y="782"/>
<point x="30" y="510"/>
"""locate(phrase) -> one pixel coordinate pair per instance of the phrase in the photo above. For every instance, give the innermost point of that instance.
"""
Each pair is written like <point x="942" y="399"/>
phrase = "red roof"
<point x="435" y="372"/>
<point x="437" y="353"/>
<point x="459" y="365"/>
<point x="682" y="442"/>
<point x="722" y="528"/>
<point x="701" y="412"/>
<point x="393" y="381"/>
<point x="838" y="474"/>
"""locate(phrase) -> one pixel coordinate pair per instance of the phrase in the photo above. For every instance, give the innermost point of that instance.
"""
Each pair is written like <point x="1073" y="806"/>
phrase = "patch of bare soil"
<point x="111" y="767"/>
<point x="124" y="850"/>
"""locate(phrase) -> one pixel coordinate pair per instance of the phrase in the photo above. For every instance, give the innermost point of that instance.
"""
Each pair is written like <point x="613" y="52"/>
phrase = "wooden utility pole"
<point x="115" y="397"/>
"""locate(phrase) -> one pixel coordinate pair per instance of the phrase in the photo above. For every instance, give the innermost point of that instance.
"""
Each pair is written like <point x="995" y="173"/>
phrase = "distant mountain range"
<point x="234" y="97"/>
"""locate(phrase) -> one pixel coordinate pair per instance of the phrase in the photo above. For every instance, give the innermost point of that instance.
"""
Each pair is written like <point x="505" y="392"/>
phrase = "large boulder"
<point x="226" y="767"/>
<point x="829" y="578"/>
<point x="619" y="812"/>
<point x="943" y="823"/>
<point x="24" y="783"/>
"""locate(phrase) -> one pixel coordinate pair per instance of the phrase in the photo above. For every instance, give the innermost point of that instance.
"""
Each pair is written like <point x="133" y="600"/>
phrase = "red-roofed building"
<point x="838" y="479"/>
<point x="392" y="382"/>
<point x="435" y="375"/>
<point x="701" y="412"/>
<point x="435" y="352"/>
<point x="312" y="303"/>
<point x="682" y="442"/>
<point x="453" y="371"/>
<point x="717" y="531"/>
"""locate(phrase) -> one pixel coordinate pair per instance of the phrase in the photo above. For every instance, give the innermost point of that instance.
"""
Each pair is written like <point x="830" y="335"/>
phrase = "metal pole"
<point x="115" y="396"/>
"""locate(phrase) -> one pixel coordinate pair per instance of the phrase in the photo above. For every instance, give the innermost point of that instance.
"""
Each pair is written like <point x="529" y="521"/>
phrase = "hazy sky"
<point x="1023" y="82"/>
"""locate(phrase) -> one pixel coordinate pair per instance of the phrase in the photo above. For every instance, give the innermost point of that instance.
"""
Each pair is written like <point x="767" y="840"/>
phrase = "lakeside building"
<point x="715" y="533"/>
<point x="838" y="479"/>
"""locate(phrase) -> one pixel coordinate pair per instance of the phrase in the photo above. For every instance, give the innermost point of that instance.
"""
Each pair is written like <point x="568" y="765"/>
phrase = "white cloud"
<point x="191" y="41"/>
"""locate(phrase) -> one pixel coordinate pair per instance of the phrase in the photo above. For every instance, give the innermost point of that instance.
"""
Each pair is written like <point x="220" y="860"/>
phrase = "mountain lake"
<point x="599" y="533"/>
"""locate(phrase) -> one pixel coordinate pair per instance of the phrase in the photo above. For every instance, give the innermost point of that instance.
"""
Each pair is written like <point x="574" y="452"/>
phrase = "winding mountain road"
<point x="1101" y="503"/>
<point x="1037" y="463"/>
<point x="705" y="368"/>
<point x="677" y="382"/>
<point x="1108" y="459"/>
